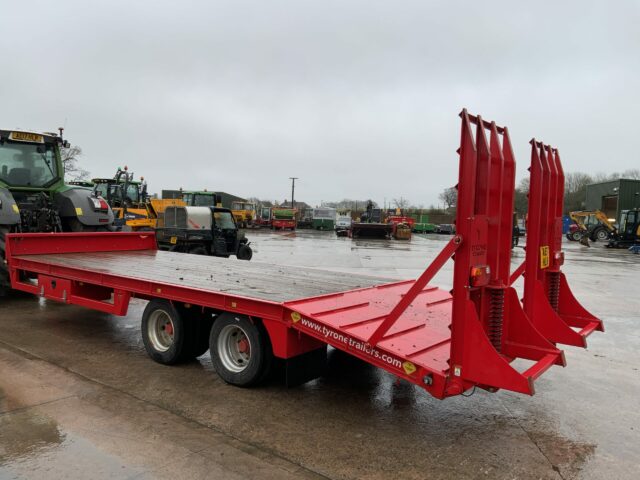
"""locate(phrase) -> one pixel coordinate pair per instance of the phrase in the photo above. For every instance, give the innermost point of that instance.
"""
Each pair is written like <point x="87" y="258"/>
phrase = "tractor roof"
<point x="48" y="136"/>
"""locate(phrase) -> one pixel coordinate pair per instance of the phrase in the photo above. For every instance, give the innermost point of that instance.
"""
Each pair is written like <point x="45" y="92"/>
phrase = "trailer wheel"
<point x="244" y="252"/>
<point x="167" y="335"/>
<point x="240" y="350"/>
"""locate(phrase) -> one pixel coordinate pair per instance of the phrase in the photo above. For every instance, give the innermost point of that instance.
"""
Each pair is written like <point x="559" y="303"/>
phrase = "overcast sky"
<point x="357" y="98"/>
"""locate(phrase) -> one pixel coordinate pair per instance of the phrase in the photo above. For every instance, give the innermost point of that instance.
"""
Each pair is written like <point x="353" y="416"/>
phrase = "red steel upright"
<point x="548" y="300"/>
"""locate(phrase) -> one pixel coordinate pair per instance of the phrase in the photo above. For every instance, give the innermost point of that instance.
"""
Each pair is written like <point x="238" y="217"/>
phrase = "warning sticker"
<point x="544" y="257"/>
<point x="408" y="368"/>
<point x="78" y="211"/>
<point x="295" y="316"/>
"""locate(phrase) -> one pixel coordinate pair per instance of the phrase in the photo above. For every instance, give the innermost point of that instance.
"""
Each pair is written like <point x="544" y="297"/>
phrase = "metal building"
<point x="613" y="197"/>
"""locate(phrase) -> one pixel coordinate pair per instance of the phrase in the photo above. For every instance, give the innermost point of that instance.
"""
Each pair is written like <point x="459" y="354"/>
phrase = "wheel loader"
<point x="34" y="197"/>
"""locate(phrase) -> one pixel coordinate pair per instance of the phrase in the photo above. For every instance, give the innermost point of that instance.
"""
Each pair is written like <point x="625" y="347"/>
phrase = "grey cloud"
<point x="357" y="98"/>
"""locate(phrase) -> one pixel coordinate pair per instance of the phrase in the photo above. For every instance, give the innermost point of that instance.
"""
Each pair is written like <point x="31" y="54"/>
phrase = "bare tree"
<point x="401" y="202"/>
<point x="259" y="202"/>
<point x="449" y="197"/>
<point x="577" y="181"/>
<point x="633" y="173"/>
<point x="521" y="200"/>
<point x="72" y="169"/>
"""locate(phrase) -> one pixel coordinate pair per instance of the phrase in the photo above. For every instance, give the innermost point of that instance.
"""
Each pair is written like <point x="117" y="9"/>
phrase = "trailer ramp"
<point x="448" y="342"/>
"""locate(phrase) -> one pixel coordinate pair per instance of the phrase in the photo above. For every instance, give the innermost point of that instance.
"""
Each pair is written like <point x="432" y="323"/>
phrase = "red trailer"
<point x="447" y="342"/>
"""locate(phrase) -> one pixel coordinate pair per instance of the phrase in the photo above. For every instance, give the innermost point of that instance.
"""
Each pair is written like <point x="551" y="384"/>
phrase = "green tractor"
<point x="34" y="197"/>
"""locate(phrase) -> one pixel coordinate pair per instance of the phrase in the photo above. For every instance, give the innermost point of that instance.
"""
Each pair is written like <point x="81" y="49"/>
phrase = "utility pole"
<point x="293" y="189"/>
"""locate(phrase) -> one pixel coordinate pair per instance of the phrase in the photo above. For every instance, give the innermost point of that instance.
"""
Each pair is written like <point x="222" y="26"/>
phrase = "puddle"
<point x="34" y="446"/>
<point x="24" y="434"/>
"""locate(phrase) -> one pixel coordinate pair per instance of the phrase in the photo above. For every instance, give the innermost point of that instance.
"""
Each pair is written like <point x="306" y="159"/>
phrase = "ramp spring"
<point x="496" y="317"/>
<point x="553" y="289"/>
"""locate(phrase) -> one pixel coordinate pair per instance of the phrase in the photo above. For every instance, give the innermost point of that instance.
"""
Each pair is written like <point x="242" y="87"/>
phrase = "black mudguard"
<point x="76" y="203"/>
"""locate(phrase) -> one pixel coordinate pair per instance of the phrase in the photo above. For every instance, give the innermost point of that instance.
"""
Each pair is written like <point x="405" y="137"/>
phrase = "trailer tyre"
<point x="240" y="350"/>
<point x="167" y="335"/>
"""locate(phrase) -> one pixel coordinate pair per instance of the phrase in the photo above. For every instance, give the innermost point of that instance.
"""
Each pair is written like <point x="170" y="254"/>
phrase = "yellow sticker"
<point x="408" y="367"/>
<point x="26" y="137"/>
<point x="78" y="211"/>
<point x="295" y="316"/>
<point x="15" y="208"/>
<point x="173" y="240"/>
<point x="544" y="257"/>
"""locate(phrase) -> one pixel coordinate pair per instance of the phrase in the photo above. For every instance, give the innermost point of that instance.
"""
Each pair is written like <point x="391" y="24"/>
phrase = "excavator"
<point x="131" y="205"/>
<point x="590" y="225"/>
<point x="628" y="235"/>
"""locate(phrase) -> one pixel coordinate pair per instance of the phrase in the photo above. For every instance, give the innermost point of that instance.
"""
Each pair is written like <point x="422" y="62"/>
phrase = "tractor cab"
<point x="121" y="190"/>
<point x="29" y="161"/>
<point x="201" y="198"/>
<point x="33" y="195"/>
<point x="202" y="231"/>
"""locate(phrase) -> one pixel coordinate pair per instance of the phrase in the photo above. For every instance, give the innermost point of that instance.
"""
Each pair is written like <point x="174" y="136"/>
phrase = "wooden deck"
<point x="275" y="283"/>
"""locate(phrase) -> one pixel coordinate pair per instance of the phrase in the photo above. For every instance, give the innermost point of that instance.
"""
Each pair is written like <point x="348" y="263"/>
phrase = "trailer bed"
<point x="274" y="283"/>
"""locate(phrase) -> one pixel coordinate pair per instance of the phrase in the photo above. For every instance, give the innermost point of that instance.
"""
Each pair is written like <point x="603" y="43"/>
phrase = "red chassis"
<point x="444" y="341"/>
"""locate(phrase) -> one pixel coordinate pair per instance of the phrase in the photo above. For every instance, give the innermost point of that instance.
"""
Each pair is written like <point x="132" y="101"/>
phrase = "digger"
<point x="628" y="235"/>
<point x="590" y="225"/>
<point x="34" y="196"/>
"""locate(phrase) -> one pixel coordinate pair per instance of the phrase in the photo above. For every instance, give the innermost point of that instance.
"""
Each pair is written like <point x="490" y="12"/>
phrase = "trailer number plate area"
<point x="544" y="257"/>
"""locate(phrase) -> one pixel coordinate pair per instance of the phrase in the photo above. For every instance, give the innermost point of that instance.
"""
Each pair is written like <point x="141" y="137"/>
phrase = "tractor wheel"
<point x="167" y="334"/>
<point x="5" y="283"/>
<point x="600" y="235"/>
<point x="575" y="236"/>
<point x="198" y="250"/>
<point x="244" y="252"/>
<point x="240" y="349"/>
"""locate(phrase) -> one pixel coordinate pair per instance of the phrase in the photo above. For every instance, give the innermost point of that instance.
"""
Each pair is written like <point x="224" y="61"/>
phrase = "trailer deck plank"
<point x="275" y="283"/>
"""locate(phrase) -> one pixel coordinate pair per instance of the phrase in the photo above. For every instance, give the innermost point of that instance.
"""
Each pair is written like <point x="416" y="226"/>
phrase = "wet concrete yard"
<point x="79" y="398"/>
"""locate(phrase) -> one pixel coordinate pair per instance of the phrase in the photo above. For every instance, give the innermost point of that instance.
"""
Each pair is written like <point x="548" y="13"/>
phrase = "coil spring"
<point x="553" y="289"/>
<point x="496" y="317"/>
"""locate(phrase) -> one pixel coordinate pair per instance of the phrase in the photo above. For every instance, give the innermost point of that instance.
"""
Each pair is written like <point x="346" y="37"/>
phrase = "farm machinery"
<point x="132" y="208"/>
<point x="34" y="196"/>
